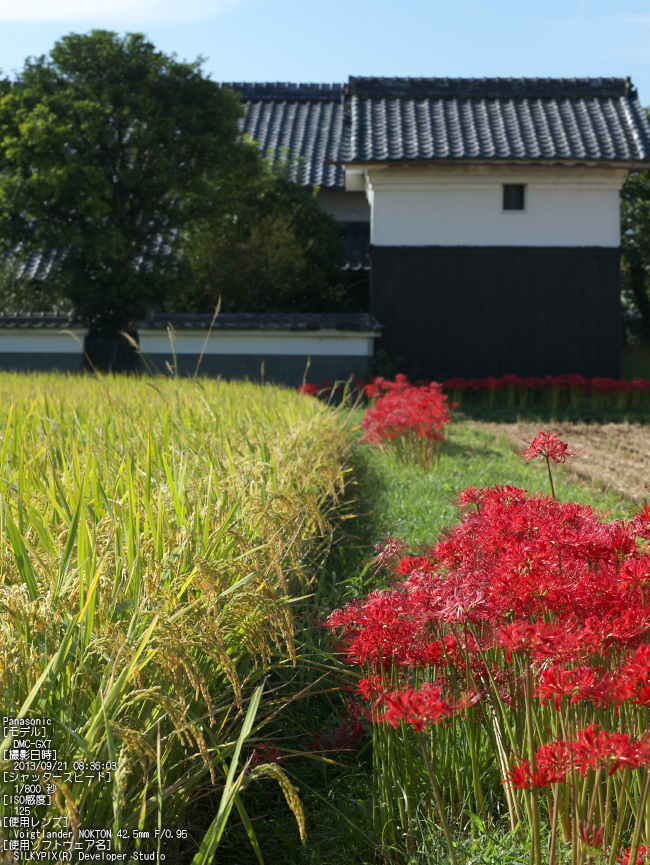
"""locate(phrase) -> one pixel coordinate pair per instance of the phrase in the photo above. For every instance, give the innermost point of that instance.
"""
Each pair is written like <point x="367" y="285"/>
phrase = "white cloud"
<point x="121" y="11"/>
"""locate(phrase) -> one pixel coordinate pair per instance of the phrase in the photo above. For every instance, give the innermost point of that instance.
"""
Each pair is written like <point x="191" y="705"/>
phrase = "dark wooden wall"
<point x="479" y="311"/>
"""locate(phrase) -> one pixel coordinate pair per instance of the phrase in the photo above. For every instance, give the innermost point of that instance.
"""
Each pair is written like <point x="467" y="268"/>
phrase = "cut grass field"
<point x="615" y="458"/>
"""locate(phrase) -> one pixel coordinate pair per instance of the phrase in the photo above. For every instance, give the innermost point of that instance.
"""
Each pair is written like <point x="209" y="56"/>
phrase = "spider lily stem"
<point x="436" y="794"/>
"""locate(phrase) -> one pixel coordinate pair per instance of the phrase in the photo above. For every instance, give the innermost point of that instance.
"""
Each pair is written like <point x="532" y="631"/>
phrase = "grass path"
<point x="416" y="505"/>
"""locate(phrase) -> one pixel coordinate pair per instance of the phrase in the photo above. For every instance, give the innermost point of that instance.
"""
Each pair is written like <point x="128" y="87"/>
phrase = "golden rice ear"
<point x="132" y="342"/>
<point x="272" y="770"/>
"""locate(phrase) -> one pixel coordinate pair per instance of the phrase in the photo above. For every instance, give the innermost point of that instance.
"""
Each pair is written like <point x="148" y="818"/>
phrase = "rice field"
<point x="153" y="537"/>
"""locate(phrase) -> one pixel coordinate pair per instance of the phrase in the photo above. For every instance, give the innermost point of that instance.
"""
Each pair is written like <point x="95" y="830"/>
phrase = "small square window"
<point x="513" y="196"/>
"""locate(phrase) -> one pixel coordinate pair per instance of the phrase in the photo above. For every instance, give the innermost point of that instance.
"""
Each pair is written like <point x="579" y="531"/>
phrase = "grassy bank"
<point x="404" y="501"/>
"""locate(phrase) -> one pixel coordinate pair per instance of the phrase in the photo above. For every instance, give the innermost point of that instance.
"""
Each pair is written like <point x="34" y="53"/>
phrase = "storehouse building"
<point x="490" y="210"/>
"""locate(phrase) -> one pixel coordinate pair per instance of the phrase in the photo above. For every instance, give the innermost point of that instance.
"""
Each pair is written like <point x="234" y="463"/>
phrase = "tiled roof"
<point x="305" y="321"/>
<point x="438" y="118"/>
<point x="400" y="119"/>
<point x="41" y="265"/>
<point x="40" y="321"/>
<point x="38" y="265"/>
<point x="306" y="119"/>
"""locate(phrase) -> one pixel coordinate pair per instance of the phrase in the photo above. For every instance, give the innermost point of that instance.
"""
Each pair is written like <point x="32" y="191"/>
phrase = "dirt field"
<point x="617" y="455"/>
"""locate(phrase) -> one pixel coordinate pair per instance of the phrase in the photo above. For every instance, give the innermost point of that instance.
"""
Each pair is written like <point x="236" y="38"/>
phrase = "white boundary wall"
<point x="329" y="343"/>
<point x="461" y="205"/>
<point x="38" y="341"/>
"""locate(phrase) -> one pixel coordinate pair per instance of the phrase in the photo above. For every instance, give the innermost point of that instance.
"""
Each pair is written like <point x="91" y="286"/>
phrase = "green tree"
<point x="267" y="246"/>
<point x="635" y="240"/>
<point x="108" y="150"/>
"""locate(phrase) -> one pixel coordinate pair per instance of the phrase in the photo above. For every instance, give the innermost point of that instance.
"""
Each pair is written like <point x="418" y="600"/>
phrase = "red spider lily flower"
<point x="592" y="684"/>
<point x="384" y="628"/>
<point x="372" y="391"/>
<point x="540" y="640"/>
<point x="640" y="694"/>
<point x="266" y="752"/>
<point x="520" y="777"/>
<point x="530" y="557"/>
<point x="642" y="856"/>
<point x="592" y="836"/>
<point x="634" y="677"/>
<point x="552" y="762"/>
<point x="641" y="523"/>
<point x="422" y="707"/>
<point x="548" y="446"/>
<point x="554" y="686"/>
<point x="525" y="572"/>
<point x="455" y="384"/>
<point x="604" y="385"/>
<point x="370" y="687"/>
<point x="638" y="666"/>
<point x="389" y="550"/>
<point x="471" y="496"/>
<point x="545" y="776"/>
<point x="413" y="563"/>
<point x="406" y="409"/>
<point x="612" y="751"/>
<point x="551" y="765"/>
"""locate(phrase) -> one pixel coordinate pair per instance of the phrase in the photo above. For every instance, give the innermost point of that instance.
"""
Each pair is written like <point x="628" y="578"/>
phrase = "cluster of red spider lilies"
<point x="507" y="672"/>
<point x="512" y="391"/>
<point x="552" y="391"/>
<point x="409" y="418"/>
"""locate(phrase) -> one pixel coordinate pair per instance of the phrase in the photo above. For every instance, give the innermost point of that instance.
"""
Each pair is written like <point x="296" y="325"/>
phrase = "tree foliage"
<point x="635" y="239"/>
<point x="108" y="150"/>
<point x="267" y="247"/>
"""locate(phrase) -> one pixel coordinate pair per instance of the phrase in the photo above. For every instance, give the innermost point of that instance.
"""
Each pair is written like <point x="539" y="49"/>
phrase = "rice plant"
<point x="152" y="537"/>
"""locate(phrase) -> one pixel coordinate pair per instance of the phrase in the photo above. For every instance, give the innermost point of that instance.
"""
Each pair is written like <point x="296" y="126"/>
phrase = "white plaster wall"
<point x="345" y="206"/>
<point x="323" y="343"/>
<point x="462" y="206"/>
<point x="41" y="341"/>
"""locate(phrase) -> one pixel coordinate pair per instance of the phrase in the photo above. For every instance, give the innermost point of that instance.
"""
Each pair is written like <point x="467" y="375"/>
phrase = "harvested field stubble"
<point x="151" y="537"/>
<point x="617" y="455"/>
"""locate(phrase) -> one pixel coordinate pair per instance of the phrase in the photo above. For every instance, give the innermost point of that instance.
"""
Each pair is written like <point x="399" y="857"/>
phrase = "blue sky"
<point x="306" y="40"/>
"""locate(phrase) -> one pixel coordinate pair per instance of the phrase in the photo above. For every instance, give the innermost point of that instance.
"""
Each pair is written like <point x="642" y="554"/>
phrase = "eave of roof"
<point x="279" y="321"/>
<point x="639" y="164"/>
<point x="41" y="321"/>
<point x="562" y="121"/>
